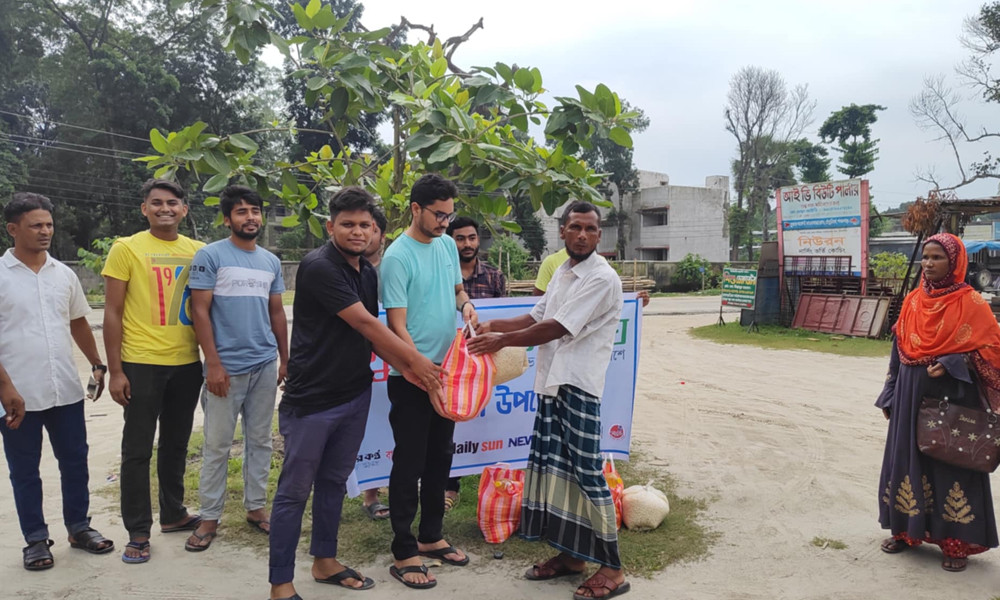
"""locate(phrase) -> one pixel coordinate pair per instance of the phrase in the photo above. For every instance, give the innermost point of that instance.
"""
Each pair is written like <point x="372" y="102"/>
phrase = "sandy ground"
<point x="785" y="445"/>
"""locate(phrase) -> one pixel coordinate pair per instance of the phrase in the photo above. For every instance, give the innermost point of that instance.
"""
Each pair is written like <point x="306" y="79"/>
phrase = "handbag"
<point x="469" y="384"/>
<point x="498" y="511"/>
<point x="960" y="436"/>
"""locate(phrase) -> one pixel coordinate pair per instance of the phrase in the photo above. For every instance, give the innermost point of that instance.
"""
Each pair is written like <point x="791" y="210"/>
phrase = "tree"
<point x="445" y="119"/>
<point x="764" y="117"/>
<point x="851" y="128"/>
<point x="937" y="107"/>
<point x="616" y="162"/>
<point x="812" y="164"/>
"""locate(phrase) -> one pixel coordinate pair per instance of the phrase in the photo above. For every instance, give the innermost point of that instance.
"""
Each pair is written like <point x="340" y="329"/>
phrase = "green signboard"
<point x="739" y="287"/>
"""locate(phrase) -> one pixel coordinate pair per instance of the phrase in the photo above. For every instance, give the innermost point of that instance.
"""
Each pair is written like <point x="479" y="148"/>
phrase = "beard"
<point x="579" y="257"/>
<point x="245" y="235"/>
<point x="349" y="252"/>
<point x="471" y="257"/>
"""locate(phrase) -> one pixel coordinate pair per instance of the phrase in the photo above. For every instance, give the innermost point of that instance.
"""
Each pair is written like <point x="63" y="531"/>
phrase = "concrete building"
<point x="664" y="222"/>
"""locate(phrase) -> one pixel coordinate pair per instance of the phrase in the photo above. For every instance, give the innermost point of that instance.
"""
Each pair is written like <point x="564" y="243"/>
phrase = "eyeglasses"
<point x="442" y="217"/>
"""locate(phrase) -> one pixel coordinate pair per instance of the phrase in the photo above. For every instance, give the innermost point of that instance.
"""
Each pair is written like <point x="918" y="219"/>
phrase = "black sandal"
<point x="341" y="578"/>
<point x="37" y="552"/>
<point x="90" y="539"/>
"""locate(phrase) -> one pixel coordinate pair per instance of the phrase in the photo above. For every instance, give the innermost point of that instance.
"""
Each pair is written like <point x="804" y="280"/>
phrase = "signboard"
<point x="825" y="219"/>
<point x="739" y="287"/>
<point x="503" y="431"/>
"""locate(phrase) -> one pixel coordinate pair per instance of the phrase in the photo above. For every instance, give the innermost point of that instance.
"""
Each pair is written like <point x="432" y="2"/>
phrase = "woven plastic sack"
<point x="511" y="363"/>
<point x="499" y="509"/>
<point x="644" y="506"/>
<point x="469" y="384"/>
<point x="617" y="487"/>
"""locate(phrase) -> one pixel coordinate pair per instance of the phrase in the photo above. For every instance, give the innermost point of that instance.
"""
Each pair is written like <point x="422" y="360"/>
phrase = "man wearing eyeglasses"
<point x="421" y="290"/>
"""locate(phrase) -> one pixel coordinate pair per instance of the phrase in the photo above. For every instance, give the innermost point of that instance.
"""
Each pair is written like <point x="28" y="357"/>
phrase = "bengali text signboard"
<point x="739" y="287"/>
<point x="825" y="220"/>
<point x="503" y="432"/>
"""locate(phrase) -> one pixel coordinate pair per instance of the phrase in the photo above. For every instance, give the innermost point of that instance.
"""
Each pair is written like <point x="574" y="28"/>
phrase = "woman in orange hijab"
<point x="945" y="329"/>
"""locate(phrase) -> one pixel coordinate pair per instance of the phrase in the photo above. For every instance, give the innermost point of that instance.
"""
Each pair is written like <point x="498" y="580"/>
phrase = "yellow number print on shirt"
<point x="169" y="292"/>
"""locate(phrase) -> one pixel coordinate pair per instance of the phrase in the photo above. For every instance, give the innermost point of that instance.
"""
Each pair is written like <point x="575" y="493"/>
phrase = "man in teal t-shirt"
<point x="421" y="290"/>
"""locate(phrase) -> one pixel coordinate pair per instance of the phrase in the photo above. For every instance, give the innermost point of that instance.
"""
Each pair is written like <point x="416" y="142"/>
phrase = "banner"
<point x="739" y="287"/>
<point x="825" y="219"/>
<point x="503" y="431"/>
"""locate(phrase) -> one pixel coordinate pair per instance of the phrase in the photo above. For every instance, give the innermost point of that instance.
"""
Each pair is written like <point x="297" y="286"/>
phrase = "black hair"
<point x="233" y="194"/>
<point x="380" y="219"/>
<point x="579" y="206"/>
<point x="430" y="188"/>
<point x="162" y="184"/>
<point x="351" y="199"/>
<point x="461" y="222"/>
<point x="24" y="202"/>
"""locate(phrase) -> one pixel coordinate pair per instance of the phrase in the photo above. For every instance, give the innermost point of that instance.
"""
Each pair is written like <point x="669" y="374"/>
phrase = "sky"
<point x="674" y="59"/>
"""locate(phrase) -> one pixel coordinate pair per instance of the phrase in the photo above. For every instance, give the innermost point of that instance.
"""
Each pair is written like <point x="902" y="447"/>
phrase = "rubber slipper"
<point x="142" y="547"/>
<point x="256" y="524"/>
<point x="373" y="510"/>
<point x="440" y="553"/>
<point x="208" y="535"/>
<point x="35" y="553"/>
<point x="556" y="568"/>
<point x="348" y="573"/>
<point x="398" y="574"/>
<point x="948" y="564"/>
<point x="189" y="525"/>
<point x="894" y="546"/>
<point x="90" y="540"/>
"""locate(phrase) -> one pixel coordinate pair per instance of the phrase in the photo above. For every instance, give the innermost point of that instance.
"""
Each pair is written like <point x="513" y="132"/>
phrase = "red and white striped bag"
<point x="499" y="510"/>
<point x="469" y="384"/>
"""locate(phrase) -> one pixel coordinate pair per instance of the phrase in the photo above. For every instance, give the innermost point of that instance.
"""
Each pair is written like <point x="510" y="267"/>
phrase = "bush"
<point x="512" y="251"/>
<point x="889" y="265"/>
<point x="689" y="273"/>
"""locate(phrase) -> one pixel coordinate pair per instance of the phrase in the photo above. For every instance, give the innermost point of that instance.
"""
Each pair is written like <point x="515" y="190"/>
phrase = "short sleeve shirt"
<point x="156" y="325"/>
<point x="421" y="278"/>
<point x="548" y="267"/>
<point x="329" y="361"/>
<point x="587" y="300"/>
<point x="36" y="347"/>
<point x="242" y="283"/>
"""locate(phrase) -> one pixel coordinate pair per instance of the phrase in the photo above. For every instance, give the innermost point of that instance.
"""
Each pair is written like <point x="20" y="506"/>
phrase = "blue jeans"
<point x="251" y="395"/>
<point x="23" y="447"/>
<point x="321" y="450"/>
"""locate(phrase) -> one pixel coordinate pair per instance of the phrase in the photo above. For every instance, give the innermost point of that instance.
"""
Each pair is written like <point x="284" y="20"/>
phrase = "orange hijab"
<point x="949" y="317"/>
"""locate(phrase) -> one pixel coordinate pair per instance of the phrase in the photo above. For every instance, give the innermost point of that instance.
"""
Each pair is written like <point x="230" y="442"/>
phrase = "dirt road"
<point x="785" y="445"/>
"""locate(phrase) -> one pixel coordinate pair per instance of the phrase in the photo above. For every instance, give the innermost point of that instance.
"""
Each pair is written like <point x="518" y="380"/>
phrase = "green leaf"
<point x="446" y="150"/>
<point x="340" y="99"/>
<point x="212" y="201"/>
<point x="316" y="82"/>
<point x="504" y="72"/>
<point x="241" y="141"/>
<point x="517" y="116"/>
<point x="312" y="9"/>
<point x="537" y="85"/>
<point x="163" y="171"/>
<point x="301" y="17"/>
<point x="217" y="160"/>
<point x="524" y="79"/>
<point x="280" y="43"/>
<point x="315" y="227"/>
<point x="175" y="4"/>
<point x="621" y="137"/>
<point x="324" y="19"/>
<point x="159" y="142"/>
<point x="326" y="152"/>
<point x="439" y="67"/>
<point x="290" y="221"/>
<point x="216" y="183"/>
<point x="419" y="141"/>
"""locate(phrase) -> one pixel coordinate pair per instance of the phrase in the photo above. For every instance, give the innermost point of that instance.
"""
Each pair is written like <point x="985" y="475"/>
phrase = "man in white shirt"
<point x="42" y="311"/>
<point x="566" y="498"/>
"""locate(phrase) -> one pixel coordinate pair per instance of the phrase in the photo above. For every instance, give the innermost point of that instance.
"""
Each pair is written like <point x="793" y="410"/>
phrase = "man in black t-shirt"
<point x="325" y="405"/>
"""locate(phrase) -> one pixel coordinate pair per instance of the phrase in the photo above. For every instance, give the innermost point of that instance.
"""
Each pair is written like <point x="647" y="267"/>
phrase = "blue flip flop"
<point x="142" y="547"/>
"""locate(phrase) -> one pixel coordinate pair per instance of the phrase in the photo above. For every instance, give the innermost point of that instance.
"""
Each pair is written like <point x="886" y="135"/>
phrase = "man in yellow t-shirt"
<point x="153" y="362"/>
<point x="548" y="267"/>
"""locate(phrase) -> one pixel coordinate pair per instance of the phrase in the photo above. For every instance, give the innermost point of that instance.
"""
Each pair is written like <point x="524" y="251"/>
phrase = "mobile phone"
<point x="91" y="388"/>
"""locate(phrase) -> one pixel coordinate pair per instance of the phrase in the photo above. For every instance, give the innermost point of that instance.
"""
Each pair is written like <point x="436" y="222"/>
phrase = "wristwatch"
<point x="99" y="366"/>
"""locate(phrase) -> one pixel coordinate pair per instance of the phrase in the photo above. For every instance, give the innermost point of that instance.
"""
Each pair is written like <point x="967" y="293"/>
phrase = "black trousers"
<point x="168" y="394"/>
<point x="422" y="453"/>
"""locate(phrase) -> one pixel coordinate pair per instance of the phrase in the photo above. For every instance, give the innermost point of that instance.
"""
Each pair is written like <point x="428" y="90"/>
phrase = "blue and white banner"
<point x="503" y="433"/>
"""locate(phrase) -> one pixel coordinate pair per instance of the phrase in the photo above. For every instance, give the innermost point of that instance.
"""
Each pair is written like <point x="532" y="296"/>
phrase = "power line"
<point x="50" y="147"/>
<point x="40" y="139"/>
<point x="30" y="118"/>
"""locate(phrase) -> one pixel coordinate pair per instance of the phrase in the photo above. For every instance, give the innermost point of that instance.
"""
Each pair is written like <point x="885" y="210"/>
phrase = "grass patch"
<point x="287" y="297"/>
<point x="781" y="338"/>
<point x="822" y="542"/>
<point x="680" y="538"/>
<point x="708" y="292"/>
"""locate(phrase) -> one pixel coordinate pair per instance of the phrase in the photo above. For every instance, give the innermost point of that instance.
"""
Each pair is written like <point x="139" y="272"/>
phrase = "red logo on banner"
<point x="617" y="432"/>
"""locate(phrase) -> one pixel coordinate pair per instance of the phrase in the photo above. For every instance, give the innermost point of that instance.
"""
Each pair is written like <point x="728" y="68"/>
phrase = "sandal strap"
<point x="347" y="573"/>
<point x="36" y="551"/>
<point x="598" y="581"/>
<point x="412" y="569"/>
<point x="89" y="537"/>
<point x="141" y="546"/>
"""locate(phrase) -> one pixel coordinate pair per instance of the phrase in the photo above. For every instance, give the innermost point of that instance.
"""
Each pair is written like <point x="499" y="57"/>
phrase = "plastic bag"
<point x="645" y="507"/>
<point x="469" y="384"/>
<point x="617" y="487"/>
<point x="499" y="509"/>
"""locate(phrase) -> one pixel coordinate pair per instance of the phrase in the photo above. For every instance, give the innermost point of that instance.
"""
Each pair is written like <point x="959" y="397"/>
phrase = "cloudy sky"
<point x="674" y="59"/>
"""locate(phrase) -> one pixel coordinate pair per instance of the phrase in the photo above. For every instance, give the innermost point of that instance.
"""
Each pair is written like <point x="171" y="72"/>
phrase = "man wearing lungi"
<point x="566" y="499"/>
